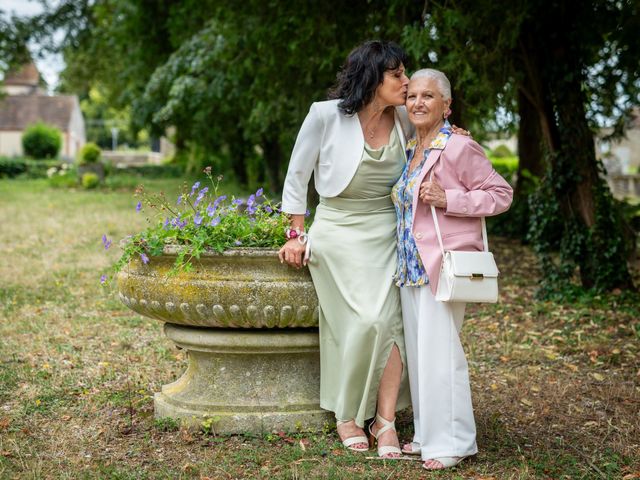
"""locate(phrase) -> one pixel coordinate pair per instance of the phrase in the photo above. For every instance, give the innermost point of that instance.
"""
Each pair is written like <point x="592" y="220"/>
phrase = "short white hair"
<point x="441" y="79"/>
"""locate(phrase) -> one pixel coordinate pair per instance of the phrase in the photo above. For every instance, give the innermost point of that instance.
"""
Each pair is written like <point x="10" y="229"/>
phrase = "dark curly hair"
<point x="363" y="71"/>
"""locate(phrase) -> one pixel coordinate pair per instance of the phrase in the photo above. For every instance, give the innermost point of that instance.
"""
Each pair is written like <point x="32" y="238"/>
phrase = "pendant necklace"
<point x="372" y="131"/>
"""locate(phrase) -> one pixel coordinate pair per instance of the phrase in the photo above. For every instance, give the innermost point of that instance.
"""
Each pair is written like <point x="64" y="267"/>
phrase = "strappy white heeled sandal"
<point x="351" y="441"/>
<point x="445" y="462"/>
<point x="412" y="448"/>
<point x="386" y="426"/>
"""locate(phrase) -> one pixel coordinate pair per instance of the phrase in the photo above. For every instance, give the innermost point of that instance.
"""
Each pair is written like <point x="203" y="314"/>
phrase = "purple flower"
<point x="251" y="200"/>
<point x="176" y="222"/>
<point x="165" y="225"/>
<point x="251" y="209"/>
<point x="197" y="219"/>
<point x="215" y="222"/>
<point x="103" y="279"/>
<point x="221" y="198"/>
<point x="144" y="258"/>
<point x="139" y="206"/>
<point x="194" y="188"/>
<point x="201" y="195"/>
<point x="259" y="192"/>
<point x="211" y="209"/>
<point x="268" y="209"/>
<point x="238" y="201"/>
<point x="238" y="242"/>
<point x="307" y="213"/>
<point x="106" y="242"/>
<point x="179" y="200"/>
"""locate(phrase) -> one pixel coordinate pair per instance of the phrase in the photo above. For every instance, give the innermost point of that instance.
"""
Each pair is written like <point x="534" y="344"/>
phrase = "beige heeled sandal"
<point x="351" y="441"/>
<point x="412" y="448"/>
<point x="387" y="425"/>
<point x="445" y="462"/>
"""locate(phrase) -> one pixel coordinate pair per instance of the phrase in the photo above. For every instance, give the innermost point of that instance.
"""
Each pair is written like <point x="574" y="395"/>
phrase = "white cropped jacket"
<point x="329" y="144"/>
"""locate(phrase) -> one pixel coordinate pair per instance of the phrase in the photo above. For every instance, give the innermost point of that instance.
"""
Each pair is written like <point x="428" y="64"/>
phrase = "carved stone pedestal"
<point x="246" y="381"/>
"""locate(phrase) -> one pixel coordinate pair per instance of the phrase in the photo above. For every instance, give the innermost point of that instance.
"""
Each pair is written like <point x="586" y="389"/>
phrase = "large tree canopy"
<point x="236" y="79"/>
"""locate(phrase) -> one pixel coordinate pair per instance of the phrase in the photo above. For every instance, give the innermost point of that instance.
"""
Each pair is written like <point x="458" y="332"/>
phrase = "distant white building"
<point x="622" y="156"/>
<point x="26" y="103"/>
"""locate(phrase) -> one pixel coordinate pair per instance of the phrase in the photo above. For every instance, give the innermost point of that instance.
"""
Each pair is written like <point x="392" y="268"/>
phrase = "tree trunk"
<point x="593" y="233"/>
<point x="529" y="146"/>
<point x="457" y="109"/>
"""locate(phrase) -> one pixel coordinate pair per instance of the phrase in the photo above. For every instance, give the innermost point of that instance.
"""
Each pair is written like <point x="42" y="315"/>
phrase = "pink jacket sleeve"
<point x="486" y="192"/>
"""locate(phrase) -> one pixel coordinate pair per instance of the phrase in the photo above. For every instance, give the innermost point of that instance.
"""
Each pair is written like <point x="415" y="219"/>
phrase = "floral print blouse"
<point x="411" y="272"/>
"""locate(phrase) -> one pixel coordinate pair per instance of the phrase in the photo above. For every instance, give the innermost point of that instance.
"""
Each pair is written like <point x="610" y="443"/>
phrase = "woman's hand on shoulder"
<point x="460" y="131"/>
<point x="292" y="252"/>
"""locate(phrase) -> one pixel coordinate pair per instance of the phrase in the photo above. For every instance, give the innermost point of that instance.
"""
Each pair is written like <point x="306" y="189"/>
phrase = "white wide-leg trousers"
<point x="438" y="375"/>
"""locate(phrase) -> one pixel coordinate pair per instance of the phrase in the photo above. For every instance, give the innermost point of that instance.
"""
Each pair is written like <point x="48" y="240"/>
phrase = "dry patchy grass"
<point x="555" y="387"/>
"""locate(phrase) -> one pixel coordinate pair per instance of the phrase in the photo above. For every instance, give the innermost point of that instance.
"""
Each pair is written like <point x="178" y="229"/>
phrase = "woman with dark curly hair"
<point x="355" y="146"/>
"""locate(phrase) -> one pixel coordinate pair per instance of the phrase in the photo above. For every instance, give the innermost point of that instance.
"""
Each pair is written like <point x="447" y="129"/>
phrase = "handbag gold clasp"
<point x="477" y="276"/>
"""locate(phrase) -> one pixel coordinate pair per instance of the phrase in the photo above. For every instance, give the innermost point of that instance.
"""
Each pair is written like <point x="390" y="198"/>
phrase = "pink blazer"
<point x="473" y="189"/>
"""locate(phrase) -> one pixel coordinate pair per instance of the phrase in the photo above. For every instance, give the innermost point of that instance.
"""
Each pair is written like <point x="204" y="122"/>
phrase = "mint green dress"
<point x="353" y="260"/>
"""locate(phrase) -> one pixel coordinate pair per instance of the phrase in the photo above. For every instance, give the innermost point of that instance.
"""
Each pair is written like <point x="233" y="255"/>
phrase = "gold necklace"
<point x="372" y="131"/>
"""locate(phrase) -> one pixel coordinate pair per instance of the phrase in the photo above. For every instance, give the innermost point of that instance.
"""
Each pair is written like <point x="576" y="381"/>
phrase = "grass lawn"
<point x="556" y="388"/>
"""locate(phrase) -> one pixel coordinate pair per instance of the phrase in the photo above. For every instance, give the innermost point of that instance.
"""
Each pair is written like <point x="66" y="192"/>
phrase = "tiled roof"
<point x="17" y="112"/>
<point x="27" y="75"/>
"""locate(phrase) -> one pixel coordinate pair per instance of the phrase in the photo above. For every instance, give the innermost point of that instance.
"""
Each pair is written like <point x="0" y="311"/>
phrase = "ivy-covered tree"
<point x="559" y="66"/>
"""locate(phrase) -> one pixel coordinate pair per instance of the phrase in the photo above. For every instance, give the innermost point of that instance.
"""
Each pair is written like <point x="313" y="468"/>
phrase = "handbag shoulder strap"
<point x="485" y="240"/>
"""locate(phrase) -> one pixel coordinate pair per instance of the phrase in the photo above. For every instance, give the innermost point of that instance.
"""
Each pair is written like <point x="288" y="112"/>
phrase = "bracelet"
<point x="303" y="238"/>
<point x="290" y="233"/>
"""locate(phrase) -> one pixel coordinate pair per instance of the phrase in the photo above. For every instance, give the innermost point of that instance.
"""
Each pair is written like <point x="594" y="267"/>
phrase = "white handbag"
<point x="467" y="276"/>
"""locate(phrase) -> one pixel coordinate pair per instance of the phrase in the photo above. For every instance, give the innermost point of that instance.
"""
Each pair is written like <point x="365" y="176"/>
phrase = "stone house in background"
<point x="25" y="103"/>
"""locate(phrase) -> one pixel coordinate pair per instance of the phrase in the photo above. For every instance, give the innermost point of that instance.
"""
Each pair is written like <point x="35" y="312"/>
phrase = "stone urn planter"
<point x="249" y="326"/>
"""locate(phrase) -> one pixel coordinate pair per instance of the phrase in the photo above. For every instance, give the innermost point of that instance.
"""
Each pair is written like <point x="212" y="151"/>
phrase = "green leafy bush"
<point x="501" y="151"/>
<point x="90" y="180"/>
<point x="26" y="168"/>
<point x="41" y="141"/>
<point x="89" y="153"/>
<point x="12" y="167"/>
